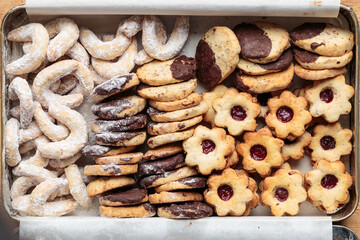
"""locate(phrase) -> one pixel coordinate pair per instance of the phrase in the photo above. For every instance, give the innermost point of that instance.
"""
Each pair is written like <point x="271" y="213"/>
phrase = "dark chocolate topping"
<point x="133" y="196"/>
<point x="194" y="182"/>
<point x="239" y="82"/>
<point x="148" y="207"/>
<point x="147" y="181"/>
<point x="190" y="210"/>
<point x="95" y="150"/>
<point x="315" y="45"/>
<point x="161" y="166"/>
<point x="143" y="86"/>
<point x="110" y="109"/>
<point x="183" y="68"/>
<point x="281" y="63"/>
<point x="253" y="41"/>
<point x="208" y="72"/>
<point x="153" y="111"/>
<point x="126" y="124"/>
<point x="114" y="85"/>
<point x="113" y="137"/>
<point x="307" y="31"/>
<point x="305" y="56"/>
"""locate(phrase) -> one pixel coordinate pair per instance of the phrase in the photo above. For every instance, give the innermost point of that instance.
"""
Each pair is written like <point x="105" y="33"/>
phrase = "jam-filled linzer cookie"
<point x="295" y="149"/>
<point x="328" y="185"/>
<point x="330" y="142"/>
<point x="260" y="152"/>
<point x="208" y="98"/>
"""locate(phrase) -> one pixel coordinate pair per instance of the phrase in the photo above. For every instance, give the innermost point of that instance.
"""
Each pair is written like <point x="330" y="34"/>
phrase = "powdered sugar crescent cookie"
<point x="30" y="133"/>
<point x="129" y="197"/>
<point x="163" y="139"/>
<point x="217" y="54"/>
<point x="143" y="210"/>
<point x="121" y="139"/>
<point x="192" y="210"/>
<point x="142" y="58"/>
<point x="11" y="136"/>
<point x="171" y="197"/>
<point x="184" y="183"/>
<point x="132" y="25"/>
<point x="67" y="84"/>
<point x="55" y="209"/>
<point x="124" y="158"/>
<point x="21" y="185"/>
<point x="110" y="170"/>
<point x="104" y="184"/>
<point x="31" y="170"/>
<point x="78" y="53"/>
<point x="295" y="150"/>
<point x="163" y="151"/>
<point x="161" y="166"/>
<point x="314" y="75"/>
<point x="121" y="125"/>
<point x="63" y="163"/>
<point x="102" y="151"/>
<point x="208" y="98"/>
<point x="45" y="189"/>
<point x="77" y="186"/>
<point x="165" y="128"/>
<point x="192" y="100"/>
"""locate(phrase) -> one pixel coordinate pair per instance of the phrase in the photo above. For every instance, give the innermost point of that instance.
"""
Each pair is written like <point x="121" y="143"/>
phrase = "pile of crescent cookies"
<point x="160" y="148"/>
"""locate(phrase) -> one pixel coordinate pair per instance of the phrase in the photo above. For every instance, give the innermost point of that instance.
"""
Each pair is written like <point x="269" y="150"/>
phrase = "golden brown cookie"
<point x="295" y="149"/>
<point x="105" y="184"/>
<point x="192" y="100"/>
<point x="172" y="197"/>
<point x="110" y="170"/>
<point x="191" y="210"/>
<point x="124" y="158"/>
<point x="143" y="210"/>
<point x="208" y="98"/>
<point x="172" y="127"/>
<point x="181" y="184"/>
<point x="160" y="140"/>
<point x="163" y="151"/>
<point x="318" y="74"/>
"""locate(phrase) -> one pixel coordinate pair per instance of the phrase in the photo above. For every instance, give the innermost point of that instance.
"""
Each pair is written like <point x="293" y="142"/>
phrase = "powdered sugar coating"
<point x="131" y="26"/>
<point x="11" y="135"/>
<point x="21" y="185"/>
<point x="62" y="163"/>
<point x="78" y="53"/>
<point x="32" y="132"/>
<point x="45" y="189"/>
<point x="77" y="186"/>
<point x="54" y="209"/>
<point x="31" y="170"/>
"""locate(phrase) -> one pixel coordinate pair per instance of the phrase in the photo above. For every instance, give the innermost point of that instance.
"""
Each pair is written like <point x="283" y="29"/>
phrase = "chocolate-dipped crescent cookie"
<point x="129" y="197"/>
<point x="161" y="166"/>
<point x="121" y="125"/>
<point x="191" y="210"/>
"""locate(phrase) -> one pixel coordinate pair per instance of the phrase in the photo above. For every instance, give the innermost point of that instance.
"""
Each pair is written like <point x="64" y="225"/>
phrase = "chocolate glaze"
<point x="305" y="56"/>
<point x="208" y="72"/>
<point x="114" y="137"/>
<point x="183" y="68"/>
<point x="161" y="166"/>
<point x="194" y="182"/>
<point x="253" y="41"/>
<point x="153" y="111"/>
<point x="133" y="196"/>
<point x="307" y="31"/>
<point x="147" y="181"/>
<point x="315" y="45"/>
<point x="281" y="63"/>
<point x="190" y="210"/>
<point x="112" y="86"/>
<point x="95" y="150"/>
<point x="150" y="208"/>
<point x="239" y="82"/>
<point x="110" y="109"/>
<point x="126" y="124"/>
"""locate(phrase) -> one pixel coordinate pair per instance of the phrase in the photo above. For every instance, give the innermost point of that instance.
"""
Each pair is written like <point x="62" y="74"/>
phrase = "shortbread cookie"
<point x="98" y="150"/>
<point x="265" y="83"/>
<point x="236" y="111"/>
<point x="121" y="125"/>
<point x="175" y="70"/>
<point x="328" y="185"/>
<point x="207" y="149"/>
<point x="330" y="142"/>
<point x="161" y="166"/>
<point x="171" y="92"/>
<point x="228" y="193"/>
<point x="110" y="170"/>
<point x="105" y="184"/>
<point x="129" y="197"/>
<point x="262" y="42"/>
<point x="214" y="62"/>
<point x="179" y="115"/>
<point x="171" y="127"/>
<point x="190" y="210"/>
<point x="124" y="158"/>
<point x="260" y="152"/>
<point x="253" y="187"/>
<point x="121" y="139"/>
<point x="192" y="100"/>
<point x="163" y="151"/>
<point x="208" y="98"/>
<point x="181" y="184"/>
<point x="251" y="68"/>
<point x="315" y="75"/>
<point x="323" y="38"/>
<point x="330" y="98"/>
<point x="119" y="108"/>
<point x="232" y="160"/>
<point x="288" y="115"/>
<point x="295" y="150"/>
<point x="172" y="197"/>
<point x="143" y="210"/>
<point x="159" y="140"/>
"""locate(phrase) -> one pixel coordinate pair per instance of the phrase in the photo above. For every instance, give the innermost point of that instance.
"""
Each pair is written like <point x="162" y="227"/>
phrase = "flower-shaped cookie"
<point x="236" y="111"/>
<point x="288" y="115"/>
<point x="283" y="192"/>
<point x="330" y="142"/>
<point x="328" y="185"/>
<point x="260" y="152"/>
<point x="253" y="187"/>
<point x="209" y="98"/>
<point x="295" y="150"/>
<point x="263" y="100"/>
<point x="229" y="193"/>
<point x="330" y="98"/>
<point x="207" y="149"/>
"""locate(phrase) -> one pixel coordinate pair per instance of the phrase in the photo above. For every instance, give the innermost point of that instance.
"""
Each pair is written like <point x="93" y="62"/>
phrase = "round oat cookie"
<point x="314" y="61"/>
<point x="192" y="100"/>
<point x="121" y="139"/>
<point x="125" y="158"/>
<point x="184" y="183"/>
<point x="157" y="73"/>
<point x="217" y="54"/>
<point x="171" y="127"/>
<point x="110" y="170"/>
<point x="262" y="42"/>
<point x="169" y="92"/>
<point x="121" y="125"/>
<point x="323" y="38"/>
<point x="314" y="75"/>
<point x="159" y="140"/>
<point x="161" y="166"/>
<point x="102" y="151"/>
<point x="191" y="210"/>
<point x="143" y="210"/>
<point x="105" y="184"/>
<point x="163" y="151"/>
<point x="129" y="197"/>
<point x="171" y="197"/>
<point x="265" y="83"/>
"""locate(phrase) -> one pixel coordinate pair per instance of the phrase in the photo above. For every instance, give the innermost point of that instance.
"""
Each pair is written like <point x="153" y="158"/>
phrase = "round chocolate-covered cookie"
<point x="121" y="139"/>
<point x="190" y="210"/>
<point x="129" y="197"/>
<point x="161" y="166"/>
<point x="163" y="151"/>
<point x="121" y="125"/>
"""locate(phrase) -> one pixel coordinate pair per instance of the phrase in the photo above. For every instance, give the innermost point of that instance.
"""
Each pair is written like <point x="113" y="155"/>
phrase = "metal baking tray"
<point x="347" y="18"/>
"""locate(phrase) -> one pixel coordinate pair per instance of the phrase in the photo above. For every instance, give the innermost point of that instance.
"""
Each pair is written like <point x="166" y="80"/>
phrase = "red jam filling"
<point x="208" y="146"/>
<point x="327" y="95"/>
<point x="285" y="114"/>
<point x="327" y="142"/>
<point x="329" y="181"/>
<point x="238" y="113"/>
<point x="258" y="152"/>
<point x="225" y="192"/>
<point x="281" y="194"/>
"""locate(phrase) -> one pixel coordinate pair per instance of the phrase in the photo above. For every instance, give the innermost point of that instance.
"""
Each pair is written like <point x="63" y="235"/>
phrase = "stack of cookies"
<point x="322" y="50"/>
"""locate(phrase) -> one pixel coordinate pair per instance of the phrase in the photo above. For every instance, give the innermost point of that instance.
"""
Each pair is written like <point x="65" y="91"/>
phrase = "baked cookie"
<point x="110" y="170"/>
<point x="265" y="83"/>
<point x="295" y="149"/>
<point x="102" y="151"/>
<point x="236" y="111"/>
<point x="143" y="210"/>
<point x="330" y="98"/>
<point x="283" y="192"/>
<point x="253" y="187"/>
<point x="262" y="42"/>
<point x="161" y="166"/>
<point x="328" y="185"/>
<point x="232" y="160"/>
<point x="228" y="193"/>
<point x="159" y="140"/>
<point x="262" y="99"/>
<point x="119" y="108"/>
<point x="314" y="61"/>
<point x="207" y="149"/>
<point x="217" y="54"/>
<point x="163" y="151"/>
<point x="122" y="139"/>
<point x="192" y="100"/>
<point x="184" y="183"/>
<point x="260" y="152"/>
<point x="124" y="158"/>
<point x="105" y="184"/>
<point x="330" y="142"/>
<point x="318" y="74"/>
<point x="287" y="115"/>
<point x="208" y="98"/>
<point x="171" y="92"/>
<point x="129" y="197"/>
<point x="251" y="68"/>
<point x="121" y="125"/>
<point x="191" y="210"/>
<point x="171" y="197"/>
<point x="323" y="38"/>
<point x="157" y="73"/>
<point x="171" y="127"/>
